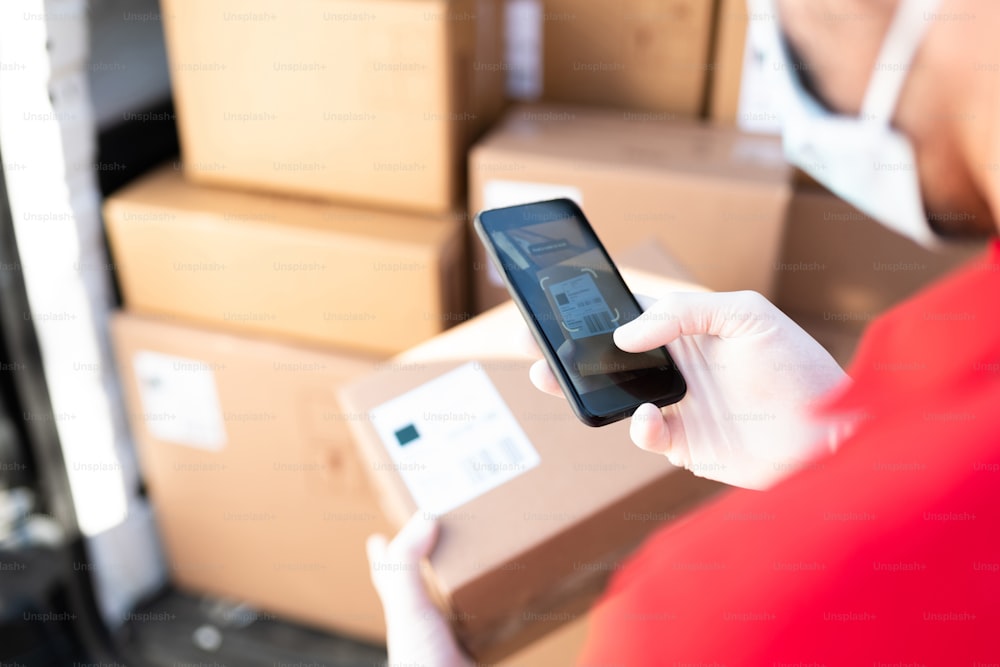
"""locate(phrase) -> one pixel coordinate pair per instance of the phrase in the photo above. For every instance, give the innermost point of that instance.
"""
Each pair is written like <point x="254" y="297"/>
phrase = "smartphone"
<point x="573" y="298"/>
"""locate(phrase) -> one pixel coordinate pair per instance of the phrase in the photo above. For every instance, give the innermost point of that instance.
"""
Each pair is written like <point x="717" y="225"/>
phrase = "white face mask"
<point x="863" y="160"/>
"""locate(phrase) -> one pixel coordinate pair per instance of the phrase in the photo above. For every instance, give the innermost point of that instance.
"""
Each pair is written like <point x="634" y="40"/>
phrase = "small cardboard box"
<point x="368" y="101"/>
<point x="248" y="461"/>
<point x="643" y="55"/>
<point x="715" y="197"/>
<point x="313" y="272"/>
<point x="537" y="510"/>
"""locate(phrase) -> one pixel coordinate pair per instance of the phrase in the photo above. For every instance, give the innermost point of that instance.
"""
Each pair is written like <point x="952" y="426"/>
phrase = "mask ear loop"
<point x="898" y="51"/>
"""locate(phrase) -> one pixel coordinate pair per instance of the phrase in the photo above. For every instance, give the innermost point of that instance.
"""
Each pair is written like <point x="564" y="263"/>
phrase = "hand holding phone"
<point x="573" y="298"/>
<point x="753" y="376"/>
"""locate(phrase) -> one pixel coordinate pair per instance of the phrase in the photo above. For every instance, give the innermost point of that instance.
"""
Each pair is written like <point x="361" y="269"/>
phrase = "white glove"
<point x="417" y="633"/>
<point x="752" y="375"/>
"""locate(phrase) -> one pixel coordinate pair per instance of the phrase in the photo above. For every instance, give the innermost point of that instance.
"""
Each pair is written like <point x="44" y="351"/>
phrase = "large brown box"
<point x="714" y="197"/>
<point x="841" y="267"/>
<point x="644" y="55"/>
<point x="370" y="101"/>
<point x="245" y="450"/>
<point x="313" y="272"/>
<point x="515" y="560"/>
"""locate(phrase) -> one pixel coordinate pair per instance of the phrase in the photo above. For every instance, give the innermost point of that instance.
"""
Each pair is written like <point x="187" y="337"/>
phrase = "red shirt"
<point x="886" y="553"/>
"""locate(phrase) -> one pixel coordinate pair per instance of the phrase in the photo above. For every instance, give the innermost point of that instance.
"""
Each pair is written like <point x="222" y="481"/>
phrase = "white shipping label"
<point x="582" y="308"/>
<point x="523" y="50"/>
<point x="453" y="439"/>
<point x="758" y="105"/>
<point x="180" y="403"/>
<point x="501" y="193"/>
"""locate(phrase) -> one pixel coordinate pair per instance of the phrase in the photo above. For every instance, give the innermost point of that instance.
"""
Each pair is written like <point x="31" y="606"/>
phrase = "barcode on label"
<point x="502" y="457"/>
<point x="599" y="322"/>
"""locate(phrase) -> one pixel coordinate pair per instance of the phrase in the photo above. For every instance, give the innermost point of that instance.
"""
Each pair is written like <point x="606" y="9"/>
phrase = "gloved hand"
<point x="752" y="375"/>
<point x="417" y="633"/>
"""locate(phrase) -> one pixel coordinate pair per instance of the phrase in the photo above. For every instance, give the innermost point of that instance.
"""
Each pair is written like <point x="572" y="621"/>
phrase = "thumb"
<point x="395" y="566"/>
<point x="723" y="314"/>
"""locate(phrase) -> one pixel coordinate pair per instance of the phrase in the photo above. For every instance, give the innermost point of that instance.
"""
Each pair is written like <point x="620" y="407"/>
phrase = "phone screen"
<point x="565" y="279"/>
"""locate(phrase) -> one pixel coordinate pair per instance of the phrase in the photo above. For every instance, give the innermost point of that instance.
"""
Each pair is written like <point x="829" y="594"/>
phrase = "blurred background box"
<point x="715" y="197"/>
<point x="727" y="60"/>
<point x="541" y="509"/>
<point x="840" y="267"/>
<point x="247" y="459"/>
<point x="370" y="101"/>
<point x="308" y="271"/>
<point x="647" y="55"/>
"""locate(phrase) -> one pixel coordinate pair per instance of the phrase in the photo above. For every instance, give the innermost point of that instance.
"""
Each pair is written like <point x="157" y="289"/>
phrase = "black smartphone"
<point x="573" y="298"/>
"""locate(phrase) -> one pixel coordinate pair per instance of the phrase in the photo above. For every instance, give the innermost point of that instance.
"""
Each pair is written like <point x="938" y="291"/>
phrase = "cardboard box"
<point x="246" y="454"/>
<point x="841" y="267"/>
<point x="536" y="509"/>
<point x="369" y="101"/>
<point x="308" y="271"/>
<point x="645" y="55"/>
<point x="713" y="196"/>
<point x="727" y="61"/>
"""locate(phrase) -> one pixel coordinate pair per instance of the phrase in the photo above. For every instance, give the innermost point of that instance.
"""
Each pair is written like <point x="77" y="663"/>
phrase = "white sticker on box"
<point x="180" y="403"/>
<point x="453" y="439"/>
<point x="501" y="193"/>
<point x="758" y="110"/>
<point x="523" y="50"/>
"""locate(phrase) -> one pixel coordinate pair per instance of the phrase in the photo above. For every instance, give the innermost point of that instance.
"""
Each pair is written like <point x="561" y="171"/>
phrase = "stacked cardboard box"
<point x="317" y="273"/>
<point x="643" y="55"/>
<point x="368" y="101"/>
<point x="255" y="283"/>
<point x="249" y="463"/>
<point x="713" y="196"/>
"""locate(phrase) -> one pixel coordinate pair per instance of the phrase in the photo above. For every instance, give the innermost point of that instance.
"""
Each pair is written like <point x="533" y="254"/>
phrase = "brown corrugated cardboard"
<point x="371" y="101"/>
<point x="713" y="196"/>
<point x="560" y="647"/>
<point x="308" y="271"/>
<point x="525" y="557"/>
<point x="840" y="266"/>
<point x="727" y="61"/>
<point x="648" y="55"/>
<point x="248" y="462"/>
